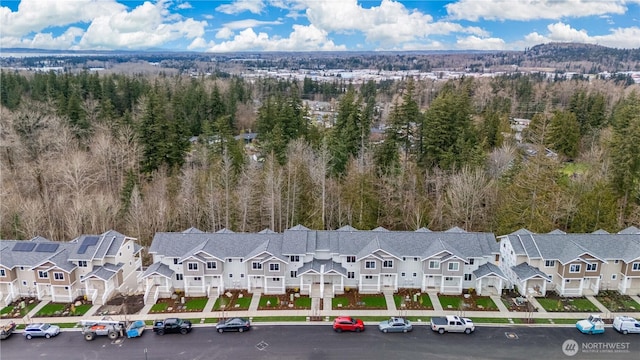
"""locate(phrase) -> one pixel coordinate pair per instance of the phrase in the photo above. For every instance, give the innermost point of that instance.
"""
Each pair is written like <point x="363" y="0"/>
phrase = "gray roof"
<point x="107" y="244"/>
<point x="488" y="269"/>
<point x="298" y="242"/>
<point x="423" y="229"/>
<point x="456" y="230"/>
<point x="525" y="271"/>
<point x="379" y="228"/>
<point x="630" y="230"/>
<point x="557" y="231"/>
<point x="522" y="231"/>
<point x="600" y="231"/>
<point x="267" y="231"/>
<point x="10" y="257"/>
<point x="105" y="272"/>
<point x="160" y="269"/>
<point x="568" y="247"/>
<point x="316" y="266"/>
<point x="193" y="230"/>
<point x="347" y="228"/>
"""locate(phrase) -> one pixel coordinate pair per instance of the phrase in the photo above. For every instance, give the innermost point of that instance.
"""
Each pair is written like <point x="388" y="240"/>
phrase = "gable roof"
<point x="158" y="269"/>
<point x="322" y="267"/>
<point x="488" y="269"/>
<point x="524" y="271"/>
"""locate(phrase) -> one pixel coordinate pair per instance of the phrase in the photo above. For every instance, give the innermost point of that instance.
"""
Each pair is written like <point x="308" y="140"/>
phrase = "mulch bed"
<point x="175" y="305"/>
<point x="122" y="305"/>
<point x="410" y="304"/>
<point x="17" y="311"/>
<point x="355" y="301"/>
<point x="231" y="300"/>
<point x="284" y="301"/>
<point x="509" y="297"/>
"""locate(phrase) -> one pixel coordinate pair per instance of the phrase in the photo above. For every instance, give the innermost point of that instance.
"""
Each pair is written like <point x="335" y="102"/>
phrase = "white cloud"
<point x="249" y="23"/>
<point x="37" y="15"/>
<point x="388" y="24"/>
<point x="523" y="10"/>
<point x="44" y="40"/>
<point x="148" y="25"/>
<point x="303" y="38"/>
<point x="208" y="16"/>
<point x="224" y="33"/>
<point x="561" y="32"/>
<point x="239" y="6"/>
<point x="184" y="5"/>
<point x="477" y="43"/>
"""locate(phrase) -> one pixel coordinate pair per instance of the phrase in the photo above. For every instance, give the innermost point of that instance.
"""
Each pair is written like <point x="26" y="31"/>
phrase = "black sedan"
<point x="233" y="324"/>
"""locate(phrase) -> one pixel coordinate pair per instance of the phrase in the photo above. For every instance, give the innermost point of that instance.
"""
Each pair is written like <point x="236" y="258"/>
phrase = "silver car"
<point x="41" y="330"/>
<point x="395" y="324"/>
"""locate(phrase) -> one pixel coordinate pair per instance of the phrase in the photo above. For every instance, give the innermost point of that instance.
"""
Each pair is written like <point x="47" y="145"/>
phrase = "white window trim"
<point x="577" y="266"/>
<point x="635" y="266"/>
<point x="192" y="266"/>
<point x="388" y="262"/>
<point x="43" y="274"/>
<point x="436" y="262"/>
<point x="3" y="273"/>
<point x="457" y="266"/>
<point x="274" y="267"/>
<point x="58" y="274"/>
<point x="214" y="263"/>
<point x="549" y="263"/>
<point x="594" y="265"/>
<point x="256" y="265"/>
<point x="370" y="262"/>
<point x="351" y="259"/>
<point x="614" y="276"/>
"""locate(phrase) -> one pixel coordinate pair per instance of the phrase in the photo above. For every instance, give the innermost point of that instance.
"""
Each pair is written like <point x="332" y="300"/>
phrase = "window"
<point x="192" y="266"/>
<point x="351" y="259"/>
<point x="3" y="273"/>
<point x="58" y="276"/>
<point x="415" y="274"/>
<point x="229" y="260"/>
<point x="370" y="265"/>
<point x="275" y="279"/>
<point x="294" y="258"/>
<point x="497" y="257"/>
<point x="404" y="258"/>
<point x="230" y="276"/>
<point x="403" y="274"/>
<point x="467" y="277"/>
<point x="635" y="266"/>
<point x="242" y="276"/>
<point x="212" y="265"/>
<point x="592" y="267"/>
<point x="24" y="283"/>
<point x="175" y="261"/>
<point x="471" y="261"/>
<point x="574" y="268"/>
<point x="614" y="277"/>
<point x="179" y="277"/>
<point x="66" y="288"/>
<point x="274" y="267"/>
<point x="616" y="261"/>
<point x="197" y="278"/>
<point x="256" y="265"/>
<point x="43" y="274"/>
<point x="454" y="266"/>
<point x="82" y="263"/>
<point x="293" y="273"/>
<point x="351" y="275"/>
<point x="434" y="264"/>
<point x="567" y="280"/>
<point x="549" y="263"/>
<point x="416" y="259"/>
<point x="368" y="277"/>
<point x="448" y="278"/>
<point x="550" y="276"/>
<point x="387" y="264"/>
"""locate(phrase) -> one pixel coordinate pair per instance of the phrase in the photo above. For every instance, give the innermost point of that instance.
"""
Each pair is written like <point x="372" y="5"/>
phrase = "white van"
<point x="626" y="325"/>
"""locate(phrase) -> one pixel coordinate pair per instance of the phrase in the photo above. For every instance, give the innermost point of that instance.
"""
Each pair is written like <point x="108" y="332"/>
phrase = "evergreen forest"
<point x="84" y="153"/>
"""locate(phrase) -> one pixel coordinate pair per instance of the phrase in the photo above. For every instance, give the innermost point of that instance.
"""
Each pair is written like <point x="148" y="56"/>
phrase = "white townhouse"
<point x="572" y="264"/>
<point x="93" y="265"/>
<point x="322" y="263"/>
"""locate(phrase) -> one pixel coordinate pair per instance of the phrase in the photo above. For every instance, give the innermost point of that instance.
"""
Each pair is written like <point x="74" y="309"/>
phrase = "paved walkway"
<point x="536" y="304"/>
<point x="210" y="303"/>
<point x="255" y="301"/>
<point x="498" y="301"/>
<point x="597" y="303"/>
<point x="435" y="301"/>
<point x="391" y="303"/>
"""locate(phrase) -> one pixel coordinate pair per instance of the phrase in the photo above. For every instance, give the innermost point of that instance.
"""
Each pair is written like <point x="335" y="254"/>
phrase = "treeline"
<point x="84" y="153"/>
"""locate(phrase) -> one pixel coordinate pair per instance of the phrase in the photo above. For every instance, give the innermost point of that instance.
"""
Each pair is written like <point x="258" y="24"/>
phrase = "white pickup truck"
<point x="452" y="323"/>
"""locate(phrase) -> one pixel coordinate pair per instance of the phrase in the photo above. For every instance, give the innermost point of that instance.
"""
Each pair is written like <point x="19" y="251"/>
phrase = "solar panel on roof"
<point x="24" y="246"/>
<point x="47" y="247"/>
<point x="88" y="241"/>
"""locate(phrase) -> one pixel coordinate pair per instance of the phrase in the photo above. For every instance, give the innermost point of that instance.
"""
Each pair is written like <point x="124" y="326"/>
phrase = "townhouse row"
<point x="321" y="263"/>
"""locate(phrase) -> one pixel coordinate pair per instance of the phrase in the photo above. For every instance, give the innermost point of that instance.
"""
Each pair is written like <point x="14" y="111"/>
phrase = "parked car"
<point x="626" y="325"/>
<point x="6" y="330"/>
<point x="347" y="323"/>
<point x="41" y="330"/>
<point x="172" y="325"/>
<point x="233" y="324"/>
<point x="592" y="325"/>
<point x="452" y="323"/>
<point x="395" y="324"/>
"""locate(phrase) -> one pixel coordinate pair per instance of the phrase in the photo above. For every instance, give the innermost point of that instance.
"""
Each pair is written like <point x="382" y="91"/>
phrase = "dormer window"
<point x="82" y="263"/>
<point x="192" y="266"/>
<point x="43" y="274"/>
<point x="351" y="259"/>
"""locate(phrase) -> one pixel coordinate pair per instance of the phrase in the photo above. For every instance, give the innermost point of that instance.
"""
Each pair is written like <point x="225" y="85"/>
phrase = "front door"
<point x="387" y="280"/>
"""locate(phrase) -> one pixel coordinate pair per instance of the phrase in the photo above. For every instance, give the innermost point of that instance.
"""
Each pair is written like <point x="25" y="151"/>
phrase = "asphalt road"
<point x="320" y="342"/>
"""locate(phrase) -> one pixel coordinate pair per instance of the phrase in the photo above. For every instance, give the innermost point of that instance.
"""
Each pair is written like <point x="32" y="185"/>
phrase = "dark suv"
<point x="171" y="325"/>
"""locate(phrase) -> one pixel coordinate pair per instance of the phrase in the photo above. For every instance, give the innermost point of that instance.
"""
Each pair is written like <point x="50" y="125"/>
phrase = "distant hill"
<point x="587" y="55"/>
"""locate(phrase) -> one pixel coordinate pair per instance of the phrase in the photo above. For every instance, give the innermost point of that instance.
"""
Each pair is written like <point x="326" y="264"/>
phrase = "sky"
<point x="315" y="25"/>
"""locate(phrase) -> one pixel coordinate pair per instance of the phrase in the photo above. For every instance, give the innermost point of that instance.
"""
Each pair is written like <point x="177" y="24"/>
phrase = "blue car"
<point x="592" y="325"/>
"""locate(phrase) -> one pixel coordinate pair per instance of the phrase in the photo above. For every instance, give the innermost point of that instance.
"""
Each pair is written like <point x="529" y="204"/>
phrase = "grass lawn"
<point x="343" y="301"/>
<point x="23" y="312"/>
<point x="82" y="309"/>
<point x="273" y="301"/>
<point x="67" y="325"/>
<point x="481" y="320"/>
<point x="615" y="301"/>
<point x="446" y="300"/>
<point x="196" y="304"/>
<point x="581" y="305"/>
<point x="6" y="309"/>
<point x="303" y="302"/>
<point x="486" y="303"/>
<point x="243" y="302"/>
<point x="161" y="307"/>
<point x="51" y="309"/>
<point x="424" y="300"/>
<point x="374" y="301"/>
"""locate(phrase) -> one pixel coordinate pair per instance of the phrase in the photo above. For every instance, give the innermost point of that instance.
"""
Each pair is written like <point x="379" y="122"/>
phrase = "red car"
<point x="347" y="323"/>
